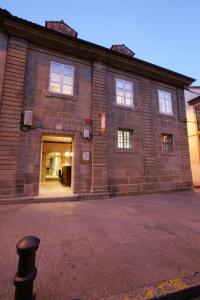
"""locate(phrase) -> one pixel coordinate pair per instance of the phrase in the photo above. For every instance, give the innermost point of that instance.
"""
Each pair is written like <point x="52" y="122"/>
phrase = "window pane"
<point x="61" y="78"/>
<point x="68" y="71"/>
<point x="120" y="100"/>
<point x="162" y="108"/>
<point x="129" y="102"/>
<point x="67" y="80"/>
<point x="124" y="92"/>
<point x="168" y="110"/>
<point x="165" y="102"/>
<point x="56" y="68"/>
<point x="55" y="77"/>
<point x="120" y="139"/>
<point x="128" y="94"/>
<point x="128" y="86"/>
<point x="124" y="139"/>
<point x="161" y="95"/>
<point x="167" y="96"/>
<point x="167" y="142"/>
<point x="119" y="83"/>
<point x="55" y="87"/>
<point x="67" y="89"/>
<point x="120" y="92"/>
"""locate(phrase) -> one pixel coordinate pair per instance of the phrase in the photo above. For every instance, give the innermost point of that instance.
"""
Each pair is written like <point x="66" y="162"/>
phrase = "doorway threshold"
<point x="54" y="189"/>
<point x="53" y="198"/>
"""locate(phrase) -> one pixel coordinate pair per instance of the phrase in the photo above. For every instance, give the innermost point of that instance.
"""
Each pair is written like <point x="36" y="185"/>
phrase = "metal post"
<point x="26" y="273"/>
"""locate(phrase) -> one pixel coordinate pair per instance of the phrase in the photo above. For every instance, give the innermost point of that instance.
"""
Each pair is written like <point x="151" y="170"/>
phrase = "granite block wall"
<point x="24" y="85"/>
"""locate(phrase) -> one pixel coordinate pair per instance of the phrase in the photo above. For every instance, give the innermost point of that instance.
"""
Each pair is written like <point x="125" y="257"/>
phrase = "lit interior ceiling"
<point x="60" y="139"/>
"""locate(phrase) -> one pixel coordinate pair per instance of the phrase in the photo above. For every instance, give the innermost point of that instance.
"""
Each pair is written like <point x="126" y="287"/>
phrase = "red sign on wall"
<point x="87" y="121"/>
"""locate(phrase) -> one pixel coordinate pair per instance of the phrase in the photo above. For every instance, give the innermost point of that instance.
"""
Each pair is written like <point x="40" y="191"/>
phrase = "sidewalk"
<point x="100" y="249"/>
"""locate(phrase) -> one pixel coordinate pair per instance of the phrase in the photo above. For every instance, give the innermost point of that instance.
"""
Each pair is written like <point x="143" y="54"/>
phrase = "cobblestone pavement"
<point x="102" y="248"/>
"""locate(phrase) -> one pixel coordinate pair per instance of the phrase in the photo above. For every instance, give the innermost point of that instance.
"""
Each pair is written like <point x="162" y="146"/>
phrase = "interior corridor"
<point x="56" y="166"/>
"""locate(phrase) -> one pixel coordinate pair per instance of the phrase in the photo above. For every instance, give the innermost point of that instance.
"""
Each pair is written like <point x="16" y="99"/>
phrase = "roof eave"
<point x="194" y="101"/>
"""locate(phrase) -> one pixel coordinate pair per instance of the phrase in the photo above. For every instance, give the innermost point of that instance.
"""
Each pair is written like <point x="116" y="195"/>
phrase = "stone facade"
<point x="24" y="85"/>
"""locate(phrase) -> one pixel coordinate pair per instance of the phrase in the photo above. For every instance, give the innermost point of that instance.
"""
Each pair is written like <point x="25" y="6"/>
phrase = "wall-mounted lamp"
<point x="68" y="154"/>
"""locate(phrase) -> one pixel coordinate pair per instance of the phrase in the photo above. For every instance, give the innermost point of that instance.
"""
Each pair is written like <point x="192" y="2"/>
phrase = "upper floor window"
<point x="124" y="138"/>
<point x="61" y="79"/>
<point x="124" y="92"/>
<point x="167" y="142"/>
<point x="165" y="102"/>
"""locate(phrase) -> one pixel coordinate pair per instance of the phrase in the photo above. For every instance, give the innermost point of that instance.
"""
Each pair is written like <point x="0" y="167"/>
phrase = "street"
<point x="99" y="249"/>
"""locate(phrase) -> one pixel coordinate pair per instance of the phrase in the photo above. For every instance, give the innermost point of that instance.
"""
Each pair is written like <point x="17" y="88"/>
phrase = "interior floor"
<point x="54" y="188"/>
<point x="53" y="177"/>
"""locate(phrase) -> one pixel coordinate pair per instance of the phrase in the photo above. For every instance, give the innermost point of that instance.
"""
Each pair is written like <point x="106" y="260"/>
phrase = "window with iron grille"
<point x="165" y="102"/>
<point x="167" y="142"/>
<point x="124" y="92"/>
<point x="61" y="79"/>
<point x="198" y="118"/>
<point x="124" y="139"/>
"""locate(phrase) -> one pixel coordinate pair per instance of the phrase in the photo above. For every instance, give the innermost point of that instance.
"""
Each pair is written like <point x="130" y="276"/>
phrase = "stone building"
<point x="192" y="98"/>
<point x="98" y="120"/>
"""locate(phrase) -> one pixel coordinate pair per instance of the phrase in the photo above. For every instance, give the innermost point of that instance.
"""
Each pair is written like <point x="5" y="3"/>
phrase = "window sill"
<point x="166" y="115"/>
<point x="130" y="108"/>
<point x="168" y="153"/>
<point x="62" y="96"/>
<point x="125" y="151"/>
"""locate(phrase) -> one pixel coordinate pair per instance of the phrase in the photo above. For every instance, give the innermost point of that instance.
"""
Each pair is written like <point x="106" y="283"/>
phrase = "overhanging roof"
<point x="51" y="39"/>
<point x="194" y="101"/>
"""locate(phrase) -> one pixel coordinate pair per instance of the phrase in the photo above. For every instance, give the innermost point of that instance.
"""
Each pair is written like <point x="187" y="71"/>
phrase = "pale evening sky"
<point x="163" y="32"/>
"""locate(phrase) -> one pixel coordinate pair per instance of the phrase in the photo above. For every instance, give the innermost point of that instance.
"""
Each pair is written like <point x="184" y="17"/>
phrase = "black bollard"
<point x="26" y="273"/>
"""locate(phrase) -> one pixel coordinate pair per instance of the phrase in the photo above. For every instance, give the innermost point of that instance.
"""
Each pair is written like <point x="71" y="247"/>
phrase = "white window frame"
<point x="124" y="139"/>
<point x="124" y="90"/>
<point x="62" y="75"/>
<point x="165" y="102"/>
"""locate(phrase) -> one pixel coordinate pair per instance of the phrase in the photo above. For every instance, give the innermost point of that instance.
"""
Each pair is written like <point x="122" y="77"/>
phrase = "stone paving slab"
<point x="103" y="249"/>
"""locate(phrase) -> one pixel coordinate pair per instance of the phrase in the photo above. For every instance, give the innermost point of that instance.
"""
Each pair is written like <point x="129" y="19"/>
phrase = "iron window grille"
<point x="165" y="102"/>
<point x="124" y="92"/>
<point x="167" y="142"/>
<point x="61" y="79"/>
<point x="124" y="139"/>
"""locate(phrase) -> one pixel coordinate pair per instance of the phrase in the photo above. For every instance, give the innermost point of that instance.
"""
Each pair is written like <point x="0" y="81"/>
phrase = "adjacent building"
<point x="192" y="96"/>
<point x="98" y="120"/>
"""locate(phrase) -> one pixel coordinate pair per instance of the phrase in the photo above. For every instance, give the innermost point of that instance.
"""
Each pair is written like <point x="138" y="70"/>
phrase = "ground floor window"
<point x="124" y="139"/>
<point x="167" y="142"/>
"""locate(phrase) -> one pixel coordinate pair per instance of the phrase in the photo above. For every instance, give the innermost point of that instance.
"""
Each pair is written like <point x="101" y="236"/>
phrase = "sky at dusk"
<point x="163" y="32"/>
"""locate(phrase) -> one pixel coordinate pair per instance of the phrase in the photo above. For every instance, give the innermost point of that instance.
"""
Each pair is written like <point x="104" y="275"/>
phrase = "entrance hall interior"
<point x="56" y="166"/>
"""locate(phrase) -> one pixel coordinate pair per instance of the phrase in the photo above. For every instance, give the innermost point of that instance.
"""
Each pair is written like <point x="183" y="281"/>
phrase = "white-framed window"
<point x="165" y="102"/>
<point x="61" y="79"/>
<point x="124" y="92"/>
<point x="124" y="139"/>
